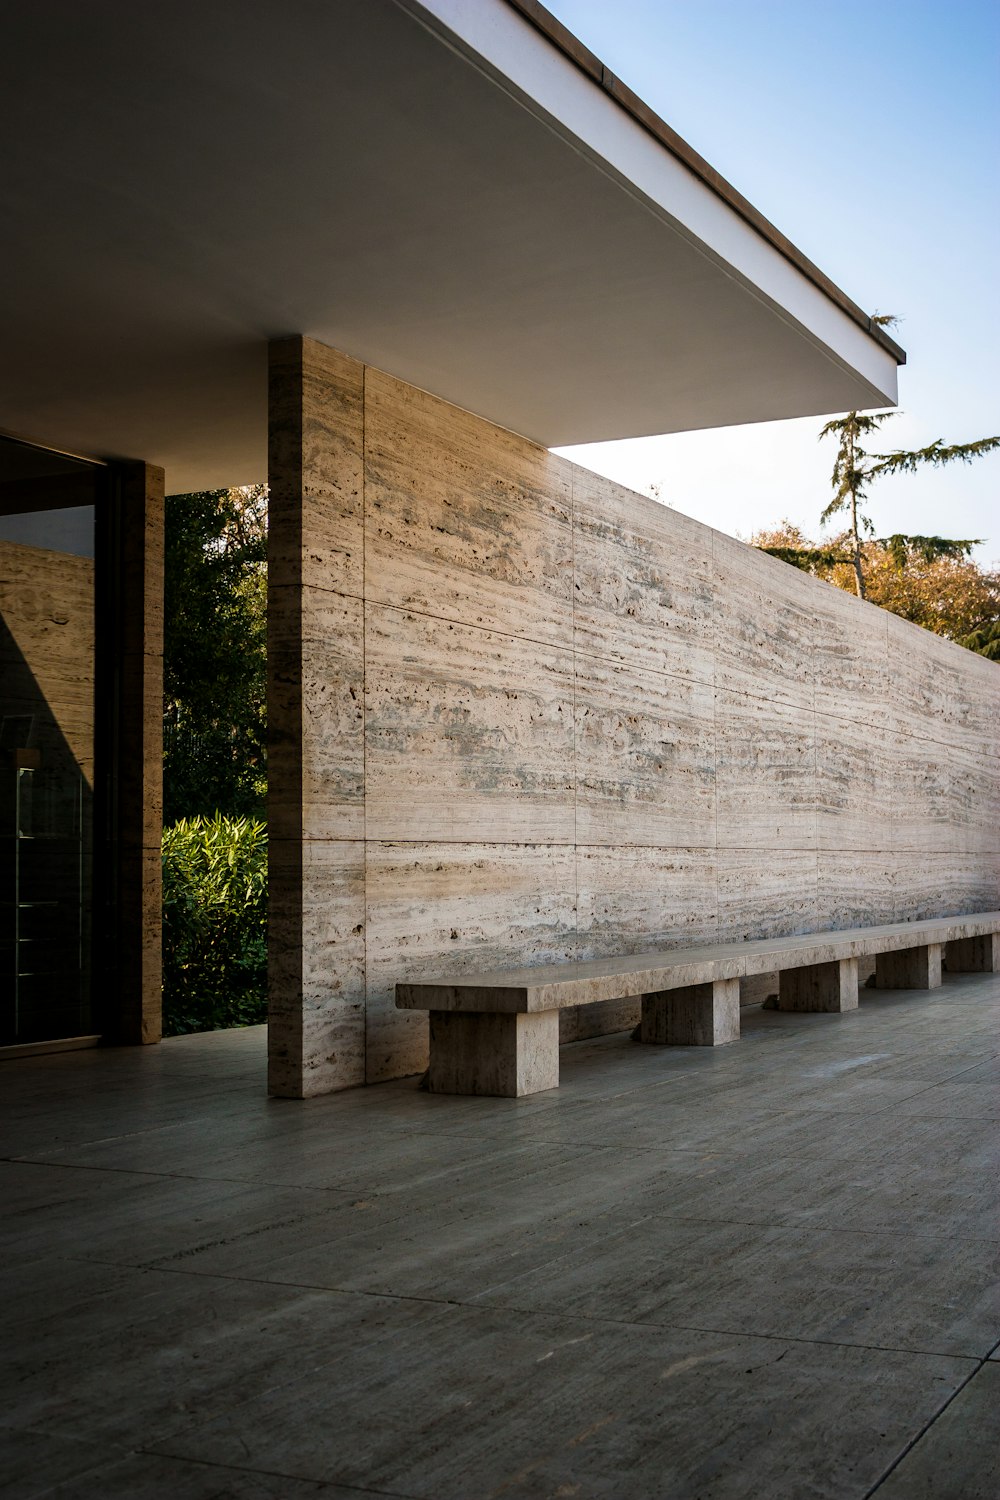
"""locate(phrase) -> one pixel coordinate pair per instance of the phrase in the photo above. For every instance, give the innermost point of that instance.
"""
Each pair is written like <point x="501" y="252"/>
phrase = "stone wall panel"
<point x="936" y="808"/>
<point x="853" y="891"/>
<point x="767" y="893"/>
<point x="855" y="784"/>
<point x="849" y="647"/>
<point x="316" y="706"/>
<point x="467" y="730"/>
<point x="645" y="757"/>
<point x="766" y="795"/>
<point x="635" y="900"/>
<point x="644" y="581"/>
<point x="464" y="521"/>
<point x="764" y="626"/>
<point x="938" y="884"/>
<point x="940" y="693"/>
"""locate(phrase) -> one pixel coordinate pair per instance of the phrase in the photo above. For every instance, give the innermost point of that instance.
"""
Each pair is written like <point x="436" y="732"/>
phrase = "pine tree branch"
<point x="925" y="548"/>
<point x="902" y="461"/>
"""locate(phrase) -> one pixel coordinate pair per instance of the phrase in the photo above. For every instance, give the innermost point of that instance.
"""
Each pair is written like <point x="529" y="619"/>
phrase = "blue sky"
<point x="870" y="135"/>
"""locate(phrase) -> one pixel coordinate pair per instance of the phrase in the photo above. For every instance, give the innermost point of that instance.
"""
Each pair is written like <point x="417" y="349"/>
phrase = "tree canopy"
<point x="215" y="654"/>
<point x="854" y="470"/>
<point x="942" y="590"/>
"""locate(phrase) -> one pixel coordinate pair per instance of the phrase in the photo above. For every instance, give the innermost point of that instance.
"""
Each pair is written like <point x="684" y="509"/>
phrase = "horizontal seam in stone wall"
<point x="919" y="735"/>
<point x="917" y="738"/>
<point x="637" y="666"/>
<point x="881" y="848"/>
<point x="322" y="588"/>
<point x="519" y="845"/>
<point x="549" y="644"/>
<point x="507" y="635"/>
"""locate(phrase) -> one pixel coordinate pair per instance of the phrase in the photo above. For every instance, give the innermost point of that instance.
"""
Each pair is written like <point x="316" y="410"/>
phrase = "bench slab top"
<point x="556" y="986"/>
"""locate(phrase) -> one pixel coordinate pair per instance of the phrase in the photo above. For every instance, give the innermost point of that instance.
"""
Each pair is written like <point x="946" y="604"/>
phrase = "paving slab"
<point x="132" y="1218"/>
<point x="463" y="1223"/>
<point x="454" y="1258"/>
<point x="927" y="1294"/>
<point x="165" y="1350"/>
<point x="32" y="1464"/>
<point x="490" y="1403"/>
<point x="985" y="1071"/>
<point x="934" y="1179"/>
<point x="892" y="1291"/>
<point x="958" y="1457"/>
<point x="678" y="1126"/>
<point x="273" y="1154"/>
<point x="36" y="1464"/>
<point x="975" y="1099"/>
<point x="146" y="1476"/>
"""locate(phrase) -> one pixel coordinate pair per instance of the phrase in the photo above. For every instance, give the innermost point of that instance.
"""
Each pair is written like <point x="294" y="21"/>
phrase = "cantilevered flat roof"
<point x="453" y="190"/>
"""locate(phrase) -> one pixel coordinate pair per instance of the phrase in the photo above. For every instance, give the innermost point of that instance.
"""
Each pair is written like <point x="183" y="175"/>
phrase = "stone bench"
<point x="498" y="1033"/>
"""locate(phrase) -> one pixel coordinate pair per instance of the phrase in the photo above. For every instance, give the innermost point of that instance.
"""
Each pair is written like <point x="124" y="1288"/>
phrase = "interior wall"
<point x="519" y="713"/>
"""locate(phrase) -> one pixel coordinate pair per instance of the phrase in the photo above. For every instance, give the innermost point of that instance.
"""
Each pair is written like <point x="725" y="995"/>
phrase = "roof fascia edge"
<point x="570" y="47"/>
<point x="588" y="62"/>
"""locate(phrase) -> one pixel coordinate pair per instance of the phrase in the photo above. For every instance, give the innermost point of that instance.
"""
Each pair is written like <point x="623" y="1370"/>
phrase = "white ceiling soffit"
<point x="434" y="188"/>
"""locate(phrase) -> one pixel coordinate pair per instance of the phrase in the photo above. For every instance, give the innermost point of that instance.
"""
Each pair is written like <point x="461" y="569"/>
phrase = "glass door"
<point x="48" y="509"/>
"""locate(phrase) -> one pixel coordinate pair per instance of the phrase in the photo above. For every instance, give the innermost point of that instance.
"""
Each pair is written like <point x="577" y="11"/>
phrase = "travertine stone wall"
<point x="520" y="713"/>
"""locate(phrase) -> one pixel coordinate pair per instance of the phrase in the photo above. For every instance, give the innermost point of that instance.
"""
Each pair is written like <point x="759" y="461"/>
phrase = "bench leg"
<point x="505" y="1056"/>
<point x="974" y="955"/>
<point x="828" y="986"/>
<point x="909" y="969"/>
<point x="696" y="1015"/>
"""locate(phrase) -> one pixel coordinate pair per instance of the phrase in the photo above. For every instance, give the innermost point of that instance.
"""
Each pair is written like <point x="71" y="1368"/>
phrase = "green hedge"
<point x="214" y="924"/>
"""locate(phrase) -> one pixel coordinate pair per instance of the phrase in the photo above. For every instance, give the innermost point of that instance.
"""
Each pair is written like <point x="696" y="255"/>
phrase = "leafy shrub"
<point x="214" y="924"/>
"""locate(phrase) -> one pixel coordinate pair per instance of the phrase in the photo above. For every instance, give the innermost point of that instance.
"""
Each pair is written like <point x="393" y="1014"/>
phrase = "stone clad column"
<point x="316" y="942"/>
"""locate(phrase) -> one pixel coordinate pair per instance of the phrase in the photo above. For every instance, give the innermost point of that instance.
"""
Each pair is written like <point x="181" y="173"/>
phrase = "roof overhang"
<point x="453" y="190"/>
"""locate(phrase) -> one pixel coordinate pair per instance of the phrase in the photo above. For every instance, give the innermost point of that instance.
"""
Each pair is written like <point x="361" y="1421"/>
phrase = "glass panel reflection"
<point x="46" y="744"/>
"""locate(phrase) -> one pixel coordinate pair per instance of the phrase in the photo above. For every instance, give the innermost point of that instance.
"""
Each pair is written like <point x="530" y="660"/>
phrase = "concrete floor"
<point x="768" y="1270"/>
